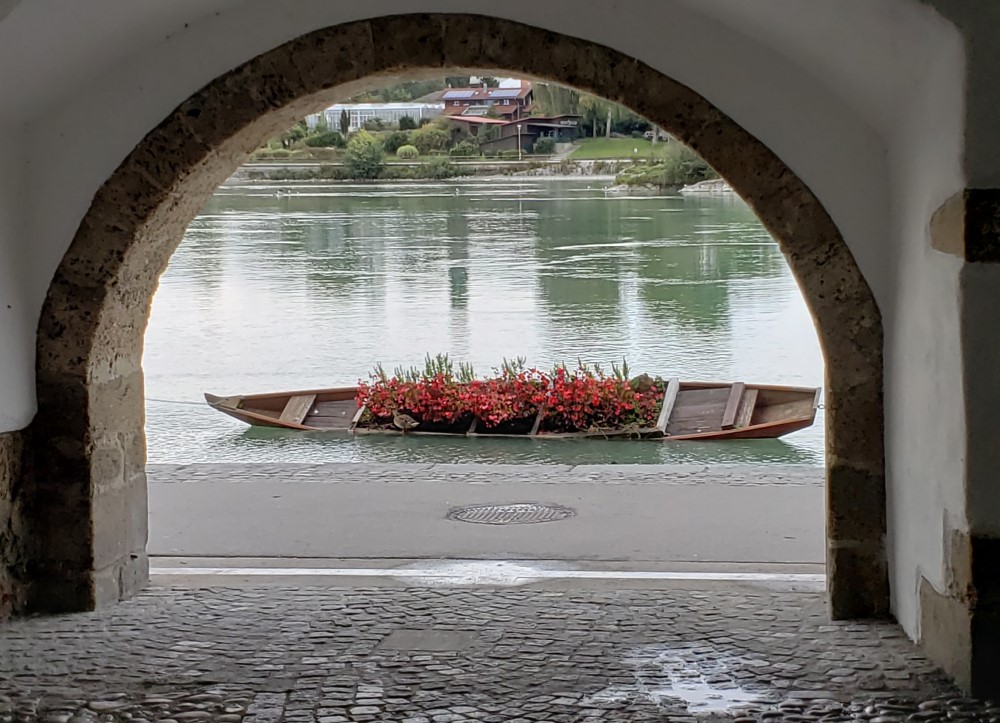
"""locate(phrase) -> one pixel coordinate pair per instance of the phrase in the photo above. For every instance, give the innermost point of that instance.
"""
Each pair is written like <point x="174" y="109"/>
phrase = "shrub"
<point x="430" y="138"/>
<point x="406" y="123"/>
<point x="293" y="135"/>
<point x="545" y="145"/>
<point x="336" y="173"/>
<point x="325" y="139"/>
<point x="398" y="172"/>
<point x="364" y="156"/>
<point x="463" y="150"/>
<point x="637" y="134"/>
<point x="460" y="135"/>
<point x="490" y="152"/>
<point x="373" y="124"/>
<point x="439" y="167"/>
<point x="680" y="167"/>
<point x="407" y="152"/>
<point x="509" y="154"/>
<point x="392" y="142"/>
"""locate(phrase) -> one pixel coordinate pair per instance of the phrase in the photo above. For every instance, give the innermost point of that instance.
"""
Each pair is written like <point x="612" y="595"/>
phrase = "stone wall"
<point x="12" y="554"/>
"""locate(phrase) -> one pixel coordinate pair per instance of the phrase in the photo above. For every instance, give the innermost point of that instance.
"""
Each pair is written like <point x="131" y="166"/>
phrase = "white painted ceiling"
<point x="872" y="53"/>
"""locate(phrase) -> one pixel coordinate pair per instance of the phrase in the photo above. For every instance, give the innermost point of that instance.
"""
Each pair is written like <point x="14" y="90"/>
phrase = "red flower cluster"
<point x="442" y="399"/>
<point x="584" y="399"/>
<point x="574" y="401"/>
<point x="436" y="399"/>
<point x="507" y="397"/>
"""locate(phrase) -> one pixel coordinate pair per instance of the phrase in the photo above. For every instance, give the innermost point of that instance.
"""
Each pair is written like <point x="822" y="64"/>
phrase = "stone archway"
<point x="86" y="504"/>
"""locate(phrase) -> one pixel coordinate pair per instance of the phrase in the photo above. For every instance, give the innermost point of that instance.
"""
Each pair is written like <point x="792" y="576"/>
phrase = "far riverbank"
<point x="414" y="170"/>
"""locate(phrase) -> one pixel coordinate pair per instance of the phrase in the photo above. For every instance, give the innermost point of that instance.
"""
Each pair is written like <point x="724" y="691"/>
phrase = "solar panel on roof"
<point x="459" y="94"/>
<point x="505" y="93"/>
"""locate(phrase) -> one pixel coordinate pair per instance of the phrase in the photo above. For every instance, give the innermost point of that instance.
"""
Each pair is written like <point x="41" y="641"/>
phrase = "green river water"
<point x="293" y="286"/>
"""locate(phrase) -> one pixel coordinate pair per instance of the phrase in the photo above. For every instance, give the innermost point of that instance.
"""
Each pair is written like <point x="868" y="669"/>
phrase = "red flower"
<point x="578" y="400"/>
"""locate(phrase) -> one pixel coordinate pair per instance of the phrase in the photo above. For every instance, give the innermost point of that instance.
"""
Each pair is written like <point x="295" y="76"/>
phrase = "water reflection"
<point x="299" y="285"/>
<point x="371" y="448"/>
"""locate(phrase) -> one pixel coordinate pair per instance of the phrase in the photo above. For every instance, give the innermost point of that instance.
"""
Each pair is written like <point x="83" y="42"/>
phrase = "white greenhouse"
<point x="360" y="113"/>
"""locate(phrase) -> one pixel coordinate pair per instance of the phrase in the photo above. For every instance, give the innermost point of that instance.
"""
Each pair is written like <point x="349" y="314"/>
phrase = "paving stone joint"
<point x="332" y="655"/>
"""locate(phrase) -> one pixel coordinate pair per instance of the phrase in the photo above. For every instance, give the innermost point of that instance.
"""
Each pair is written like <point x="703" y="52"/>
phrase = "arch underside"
<point x="86" y="490"/>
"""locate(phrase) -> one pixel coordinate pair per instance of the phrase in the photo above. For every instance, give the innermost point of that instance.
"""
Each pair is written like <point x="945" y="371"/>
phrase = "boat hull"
<point x="691" y="411"/>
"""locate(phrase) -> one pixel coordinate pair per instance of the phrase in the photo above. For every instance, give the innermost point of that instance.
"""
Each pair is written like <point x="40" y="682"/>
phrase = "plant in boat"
<point x="585" y="399"/>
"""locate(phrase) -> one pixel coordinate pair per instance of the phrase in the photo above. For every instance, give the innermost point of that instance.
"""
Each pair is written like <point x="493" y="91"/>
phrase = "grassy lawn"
<point x="612" y="148"/>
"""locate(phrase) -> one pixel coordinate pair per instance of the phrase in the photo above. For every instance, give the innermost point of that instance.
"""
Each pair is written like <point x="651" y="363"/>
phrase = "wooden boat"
<point x="690" y="410"/>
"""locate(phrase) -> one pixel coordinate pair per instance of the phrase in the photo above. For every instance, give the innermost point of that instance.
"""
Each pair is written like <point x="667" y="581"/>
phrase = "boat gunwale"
<point x="299" y="392"/>
<point x="644" y="434"/>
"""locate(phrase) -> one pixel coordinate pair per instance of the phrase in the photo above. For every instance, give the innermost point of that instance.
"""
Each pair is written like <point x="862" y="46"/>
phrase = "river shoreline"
<point x="417" y="170"/>
<point x="597" y="170"/>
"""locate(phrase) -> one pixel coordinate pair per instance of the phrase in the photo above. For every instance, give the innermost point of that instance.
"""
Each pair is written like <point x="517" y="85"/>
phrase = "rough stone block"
<point x="948" y="226"/>
<point x="60" y="591"/>
<point x="857" y="580"/>
<point x="855" y="504"/>
<point x="61" y="519"/>
<point x="982" y="225"/>
<point x="960" y="626"/>
<point x="945" y="628"/>
<point x="408" y="41"/>
<point x="13" y="556"/>
<point x="120" y="581"/>
<point x="120" y="520"/>
<point x="967" y="225"/>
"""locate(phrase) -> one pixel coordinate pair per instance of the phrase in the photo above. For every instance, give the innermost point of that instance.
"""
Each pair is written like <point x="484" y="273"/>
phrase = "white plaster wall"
<point x="18" y="317"/>
<point x="863" y="100"/>
<point x="925" y="414"/>
<point x="981" y="282"/>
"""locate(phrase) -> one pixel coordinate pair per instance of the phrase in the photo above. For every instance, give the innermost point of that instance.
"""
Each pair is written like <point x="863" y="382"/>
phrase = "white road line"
<point x="521" y="575"/>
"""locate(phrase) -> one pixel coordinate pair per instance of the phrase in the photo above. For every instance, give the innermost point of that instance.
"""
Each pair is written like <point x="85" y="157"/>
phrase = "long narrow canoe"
<point x="690" y="410"/>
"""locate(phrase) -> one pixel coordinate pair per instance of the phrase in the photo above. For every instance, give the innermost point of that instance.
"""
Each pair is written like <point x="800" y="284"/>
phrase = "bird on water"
<point x="404" y="421"/>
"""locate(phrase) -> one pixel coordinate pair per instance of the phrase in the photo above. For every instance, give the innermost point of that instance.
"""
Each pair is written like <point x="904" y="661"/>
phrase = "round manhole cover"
<point x="520" y="513"/>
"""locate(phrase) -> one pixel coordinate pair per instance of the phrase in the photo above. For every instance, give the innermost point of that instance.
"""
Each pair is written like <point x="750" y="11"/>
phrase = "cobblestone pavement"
<point x="487" y="474"/>
<point x="423" y="655"/>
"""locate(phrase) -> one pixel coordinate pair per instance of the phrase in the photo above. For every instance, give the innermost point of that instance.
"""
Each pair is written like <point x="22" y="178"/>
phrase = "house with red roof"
<point x="512" y="100"/>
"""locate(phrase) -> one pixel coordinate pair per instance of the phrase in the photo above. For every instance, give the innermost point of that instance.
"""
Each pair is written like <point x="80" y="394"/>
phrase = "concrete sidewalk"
<point x="644" y="515"/>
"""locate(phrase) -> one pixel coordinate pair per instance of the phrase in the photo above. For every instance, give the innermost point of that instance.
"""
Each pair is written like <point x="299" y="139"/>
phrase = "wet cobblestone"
<point x="447" y="655"/>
